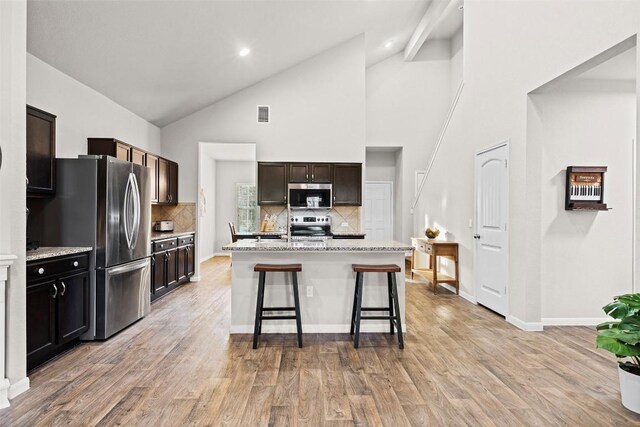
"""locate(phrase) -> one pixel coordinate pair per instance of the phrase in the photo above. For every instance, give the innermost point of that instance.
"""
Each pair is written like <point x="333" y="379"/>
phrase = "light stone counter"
<point x="326" y="283"/>
<point x="355" y="245"/>
<point x="55" y="251"/>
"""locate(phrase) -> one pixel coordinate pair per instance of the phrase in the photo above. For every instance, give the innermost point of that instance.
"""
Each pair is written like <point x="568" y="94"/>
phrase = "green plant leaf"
<point x="632" y="300"/>
<point x="616" y="347"/>
<point x="630" y="323"/>
<point x="607" y="325"/>
<point x="617" y="310"/>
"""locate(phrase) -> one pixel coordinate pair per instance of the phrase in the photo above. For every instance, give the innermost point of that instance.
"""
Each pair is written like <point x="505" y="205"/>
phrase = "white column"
<point x="5" y="262"/>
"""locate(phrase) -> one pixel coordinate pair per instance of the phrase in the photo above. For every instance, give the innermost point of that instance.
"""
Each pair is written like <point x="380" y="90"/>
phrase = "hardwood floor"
<point x="462" y="365"/>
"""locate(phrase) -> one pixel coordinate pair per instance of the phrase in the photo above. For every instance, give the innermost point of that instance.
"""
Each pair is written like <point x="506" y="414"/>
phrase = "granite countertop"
<point x="55" y="251"/>
<point x="262" y="233"/>
<point x="348" y="233"/>
<point x="311" y="246"/>
<point x="157" y="235"/>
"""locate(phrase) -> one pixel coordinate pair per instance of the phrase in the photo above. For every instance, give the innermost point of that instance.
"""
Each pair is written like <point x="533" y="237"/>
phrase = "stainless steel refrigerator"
<point x="104" y="203"/>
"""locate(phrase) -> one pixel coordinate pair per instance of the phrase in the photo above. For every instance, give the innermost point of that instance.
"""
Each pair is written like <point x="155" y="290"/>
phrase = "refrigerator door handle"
<point x="136" y="211"/>
<point x="131" y="211"/>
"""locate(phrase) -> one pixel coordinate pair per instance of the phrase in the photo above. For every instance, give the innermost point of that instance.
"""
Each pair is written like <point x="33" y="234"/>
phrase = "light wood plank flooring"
<point x="462" y="365"/>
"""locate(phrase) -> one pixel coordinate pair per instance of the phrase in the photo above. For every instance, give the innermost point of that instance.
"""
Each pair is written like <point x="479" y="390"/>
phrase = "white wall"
<point x="207" y="224"/>
<point x="82" y="112"/>
<point x="510" y="48"/>
<point x="457" y="66"/>
<point x="13" y="47"/>
<point x="586" y="256"/>
<point x="228" y="174"/>
<point x="317" y="112"/>
<point x="406" y="106"/>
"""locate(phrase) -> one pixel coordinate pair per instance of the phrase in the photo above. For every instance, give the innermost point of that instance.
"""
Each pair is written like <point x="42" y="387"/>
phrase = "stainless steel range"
<point x="310" y="227"/>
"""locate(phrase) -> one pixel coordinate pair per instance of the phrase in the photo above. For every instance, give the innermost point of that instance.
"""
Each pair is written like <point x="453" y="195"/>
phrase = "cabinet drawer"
<point x="56" y="266"/>
<point x="186" y="240"/>
<point x="163" y="245"/>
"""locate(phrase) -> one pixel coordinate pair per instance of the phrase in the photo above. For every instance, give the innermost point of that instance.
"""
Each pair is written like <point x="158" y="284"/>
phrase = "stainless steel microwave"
<point x="310" y="196"/>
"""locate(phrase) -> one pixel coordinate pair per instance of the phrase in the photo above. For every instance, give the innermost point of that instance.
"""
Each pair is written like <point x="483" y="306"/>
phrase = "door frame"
<point x="392" y="201"/>
<point x="504" y="143"/>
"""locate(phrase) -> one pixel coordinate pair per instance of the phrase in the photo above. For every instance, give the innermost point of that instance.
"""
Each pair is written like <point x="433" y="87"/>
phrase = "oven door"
<point x="310" y="231"/>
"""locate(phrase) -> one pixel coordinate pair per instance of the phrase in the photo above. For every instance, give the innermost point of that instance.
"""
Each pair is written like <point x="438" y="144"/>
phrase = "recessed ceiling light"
<point x="244" y="52"/>
<point x="388" y="44"/>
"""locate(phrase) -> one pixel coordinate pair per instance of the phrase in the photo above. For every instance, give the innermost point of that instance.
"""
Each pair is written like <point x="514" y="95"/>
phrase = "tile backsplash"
<point x="347" y="215"/>
<point x="183" y="215"/>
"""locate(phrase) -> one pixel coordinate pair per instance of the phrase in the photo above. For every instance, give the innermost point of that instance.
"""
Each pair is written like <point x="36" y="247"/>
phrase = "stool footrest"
<point x="375" y="309"/>
<point x="277" y="317"/>
<point x="378" y="318"/>
<point x="278" y="308"/>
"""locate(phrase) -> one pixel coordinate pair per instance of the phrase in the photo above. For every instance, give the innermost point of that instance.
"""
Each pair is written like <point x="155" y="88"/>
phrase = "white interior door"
<point x="378" y="211"/>
<point x="491" y="238"/>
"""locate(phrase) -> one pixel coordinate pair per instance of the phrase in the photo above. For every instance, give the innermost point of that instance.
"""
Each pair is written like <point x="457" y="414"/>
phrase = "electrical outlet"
<point x="309" y="291"/>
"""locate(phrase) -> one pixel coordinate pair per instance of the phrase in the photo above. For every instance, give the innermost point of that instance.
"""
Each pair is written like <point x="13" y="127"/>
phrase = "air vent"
<point x="263" y="114"/>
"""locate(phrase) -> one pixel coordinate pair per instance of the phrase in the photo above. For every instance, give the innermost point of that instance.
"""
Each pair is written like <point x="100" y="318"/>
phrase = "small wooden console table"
<point x="435" y="249"/>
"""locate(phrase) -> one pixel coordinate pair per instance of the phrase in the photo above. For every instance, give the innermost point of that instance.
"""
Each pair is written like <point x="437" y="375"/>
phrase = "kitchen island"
<point x="326" y="282"/>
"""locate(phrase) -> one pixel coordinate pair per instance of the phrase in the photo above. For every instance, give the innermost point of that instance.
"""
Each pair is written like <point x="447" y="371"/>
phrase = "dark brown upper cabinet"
<point x="299" y="172"/>
<point x="310" y="172"/>
<point x="110" y="147"/>
<point x="346" y="179"/>
<point x="321" y="173"/>
<point x="41" y="153"/>
<point x="347" y="184"/>
<point x="164" y="173"/>
<point x="167" y="182"/>
<point x="272" y="183"/>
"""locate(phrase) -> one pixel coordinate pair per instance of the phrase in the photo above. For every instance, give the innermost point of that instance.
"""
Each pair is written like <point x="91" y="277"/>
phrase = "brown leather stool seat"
<point x="263" y="269"/>
<point x="393" y="308"/>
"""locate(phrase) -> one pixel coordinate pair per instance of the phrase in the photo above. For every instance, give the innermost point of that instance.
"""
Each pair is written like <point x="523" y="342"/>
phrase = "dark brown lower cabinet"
<point x="57" y="306"/>
<point x="172" y="266"/>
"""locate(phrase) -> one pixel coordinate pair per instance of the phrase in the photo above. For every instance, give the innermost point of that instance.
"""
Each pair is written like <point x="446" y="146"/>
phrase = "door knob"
<point x="476" y="236"/>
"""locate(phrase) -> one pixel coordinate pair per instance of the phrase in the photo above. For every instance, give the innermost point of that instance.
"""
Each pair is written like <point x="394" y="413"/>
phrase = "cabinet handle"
<point x="64" y="288"/>
<point x="153" y="260"/>
<point x="166" y="256"/>
<point x="55" y="291"/>
<point x="312" y="177"/>
<point x="40" y="271"/>
<point x="75" y="263"/>
<point x="27" y="178"/>
<point x="162" y="245"/>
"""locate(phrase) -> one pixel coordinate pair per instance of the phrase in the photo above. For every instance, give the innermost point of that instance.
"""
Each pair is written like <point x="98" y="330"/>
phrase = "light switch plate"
<point x="310" y="291"/>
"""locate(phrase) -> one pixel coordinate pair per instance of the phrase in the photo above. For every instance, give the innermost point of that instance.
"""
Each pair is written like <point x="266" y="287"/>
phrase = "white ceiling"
<point x="164" y="60"/>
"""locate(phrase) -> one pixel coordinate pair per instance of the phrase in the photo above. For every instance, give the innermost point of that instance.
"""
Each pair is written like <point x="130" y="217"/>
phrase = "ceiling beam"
<point x="435" y="14"/>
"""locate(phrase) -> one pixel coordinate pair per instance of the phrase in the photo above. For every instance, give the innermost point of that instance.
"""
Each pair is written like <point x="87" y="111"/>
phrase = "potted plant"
<point x="622" y="338"/>
<point x="432" y="233"/>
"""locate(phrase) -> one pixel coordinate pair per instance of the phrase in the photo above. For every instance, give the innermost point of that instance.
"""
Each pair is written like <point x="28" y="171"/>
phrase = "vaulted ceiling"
<point x="166" y="59"/>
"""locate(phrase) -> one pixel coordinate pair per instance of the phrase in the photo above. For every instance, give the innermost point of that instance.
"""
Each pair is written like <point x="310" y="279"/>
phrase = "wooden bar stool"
<point x="394" y="304"/>
<point x="263" y="269"/>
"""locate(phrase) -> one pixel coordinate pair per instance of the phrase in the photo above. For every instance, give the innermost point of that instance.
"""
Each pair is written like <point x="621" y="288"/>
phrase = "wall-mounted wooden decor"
<point x="585" y="188"/>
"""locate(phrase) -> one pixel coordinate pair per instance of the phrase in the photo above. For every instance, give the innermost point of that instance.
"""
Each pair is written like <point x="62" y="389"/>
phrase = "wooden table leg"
<point x="434" y="267"/>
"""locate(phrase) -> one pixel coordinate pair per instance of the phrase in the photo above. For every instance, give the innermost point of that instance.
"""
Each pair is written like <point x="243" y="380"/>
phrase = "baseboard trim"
<point x="19" y="387"/>
<point x="468" y="297"/>
<point x="195" y="278"/>
<point x="314" y="329"/>
<point x="573" y="321"/>
<point x="525" y="326"/>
